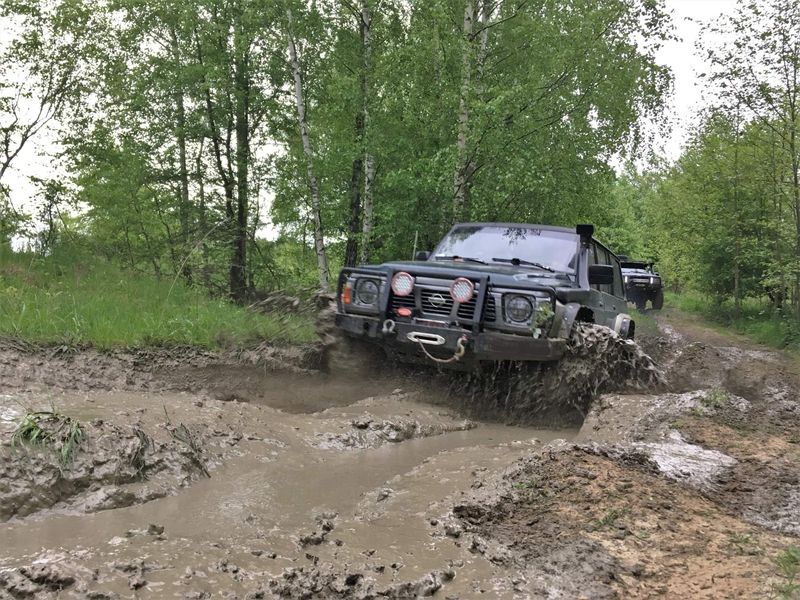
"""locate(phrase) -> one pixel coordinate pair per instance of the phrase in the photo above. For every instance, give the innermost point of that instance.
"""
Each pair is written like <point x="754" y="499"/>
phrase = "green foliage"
<point x="49" y="429"/>
<point x="82" y="300"/>
<point x="788" y="565"/>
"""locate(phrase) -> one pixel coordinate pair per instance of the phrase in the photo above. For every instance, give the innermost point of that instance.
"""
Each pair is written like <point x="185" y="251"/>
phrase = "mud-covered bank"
<point x="25" y="366"/>
<point x="379" y="489"/>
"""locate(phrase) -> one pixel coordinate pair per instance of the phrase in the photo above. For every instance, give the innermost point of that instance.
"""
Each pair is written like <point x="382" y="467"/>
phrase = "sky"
<point x="680" y="55"/>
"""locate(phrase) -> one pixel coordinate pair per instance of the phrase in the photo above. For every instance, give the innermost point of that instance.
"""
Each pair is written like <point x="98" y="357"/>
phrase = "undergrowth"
<point x="69" y="301"/>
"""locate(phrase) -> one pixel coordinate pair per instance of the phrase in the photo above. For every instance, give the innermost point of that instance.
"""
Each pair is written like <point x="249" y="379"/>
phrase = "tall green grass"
<point x="64" y="299"/>
<point x="756" y="320"/>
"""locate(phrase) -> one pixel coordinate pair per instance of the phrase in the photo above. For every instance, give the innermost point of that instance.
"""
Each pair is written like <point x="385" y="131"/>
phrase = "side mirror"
<point x="601" y="275"/>
<point x="422" y="255"/>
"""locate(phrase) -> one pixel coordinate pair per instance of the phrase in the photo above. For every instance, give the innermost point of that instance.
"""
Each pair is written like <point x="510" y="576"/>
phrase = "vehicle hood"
<point x="499" y="274"/>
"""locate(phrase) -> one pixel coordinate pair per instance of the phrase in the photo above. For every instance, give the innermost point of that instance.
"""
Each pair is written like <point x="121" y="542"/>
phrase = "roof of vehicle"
<point x="532" y="225"/>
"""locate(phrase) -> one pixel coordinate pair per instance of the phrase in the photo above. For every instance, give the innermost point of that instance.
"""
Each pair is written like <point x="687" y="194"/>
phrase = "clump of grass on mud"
<point x="70" y="301"/>
<point x="788" y="564"/>
<point x="50" y="430"/>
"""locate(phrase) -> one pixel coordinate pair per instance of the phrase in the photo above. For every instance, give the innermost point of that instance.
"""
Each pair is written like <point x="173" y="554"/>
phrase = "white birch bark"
<point x="369" y="159"/>
<point x="313" y="186"/>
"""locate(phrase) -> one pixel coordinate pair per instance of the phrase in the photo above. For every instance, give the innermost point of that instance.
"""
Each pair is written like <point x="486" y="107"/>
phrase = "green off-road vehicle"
<point x="489" y="292"/>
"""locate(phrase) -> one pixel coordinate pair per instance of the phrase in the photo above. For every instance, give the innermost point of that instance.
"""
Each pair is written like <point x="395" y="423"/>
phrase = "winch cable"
<point x="461" y="348"/>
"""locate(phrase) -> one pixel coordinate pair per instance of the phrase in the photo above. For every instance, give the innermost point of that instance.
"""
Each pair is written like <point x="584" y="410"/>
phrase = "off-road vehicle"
<point x="642" y="283"/>
<point x="489" y="292"/>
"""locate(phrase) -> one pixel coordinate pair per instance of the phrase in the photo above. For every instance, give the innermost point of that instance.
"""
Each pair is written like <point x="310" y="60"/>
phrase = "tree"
<point x="755" y="71"/>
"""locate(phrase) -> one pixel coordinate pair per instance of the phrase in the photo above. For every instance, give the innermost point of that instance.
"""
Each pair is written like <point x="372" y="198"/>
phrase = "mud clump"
<point x="115" y="466"/>
<point x="559" y="393"/>
<point x="328" y="581"/>
<point x="368" y="431"/>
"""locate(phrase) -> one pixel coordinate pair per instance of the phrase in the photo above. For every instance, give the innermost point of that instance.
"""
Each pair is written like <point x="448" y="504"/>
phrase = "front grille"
<point x="403" y="302"/>
<point x="436" y="302"/>
<point x="490" y="309"/>
<point x="433" y="299"/>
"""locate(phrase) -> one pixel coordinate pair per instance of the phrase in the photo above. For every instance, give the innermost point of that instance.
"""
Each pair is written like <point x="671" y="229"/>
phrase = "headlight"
<point x="518" y="309"/>
<point x="626" y="278"/>
<point x="402" y="283"/>
<point x="367" y="291"/>
<point x="652" y="280"/>
<point x="462" y="290"/>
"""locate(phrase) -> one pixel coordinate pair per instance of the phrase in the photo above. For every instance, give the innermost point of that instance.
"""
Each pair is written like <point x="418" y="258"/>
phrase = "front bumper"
<point x="443" y="341"/>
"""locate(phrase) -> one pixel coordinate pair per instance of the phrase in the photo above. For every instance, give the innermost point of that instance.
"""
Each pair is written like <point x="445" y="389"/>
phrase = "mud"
<point x="557" y="394"/>
<point x="674" y="479"/>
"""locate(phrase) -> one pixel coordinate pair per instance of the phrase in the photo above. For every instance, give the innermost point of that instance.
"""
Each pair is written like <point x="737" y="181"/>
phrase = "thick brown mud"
<point x="299" y="485"/>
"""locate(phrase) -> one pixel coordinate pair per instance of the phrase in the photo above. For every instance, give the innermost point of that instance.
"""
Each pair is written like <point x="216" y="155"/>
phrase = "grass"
<point x="73" y="302"/>
<point x="49" y="429"/>
<point x="756" y="320"/>
<point x="715" y="398"/>
<point x="788" y="565"/>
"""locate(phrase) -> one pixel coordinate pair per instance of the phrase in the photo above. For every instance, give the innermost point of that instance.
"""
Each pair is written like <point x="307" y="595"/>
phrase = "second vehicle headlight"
<point x="519" y="309"/>
<point x="367" y="291"/>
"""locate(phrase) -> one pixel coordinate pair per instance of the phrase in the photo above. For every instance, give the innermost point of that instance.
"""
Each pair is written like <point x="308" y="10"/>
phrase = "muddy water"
<point x="359" y="484"/>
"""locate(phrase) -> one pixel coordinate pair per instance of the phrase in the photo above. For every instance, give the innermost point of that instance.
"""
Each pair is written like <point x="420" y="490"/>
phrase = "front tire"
<point x="658" y="300"/>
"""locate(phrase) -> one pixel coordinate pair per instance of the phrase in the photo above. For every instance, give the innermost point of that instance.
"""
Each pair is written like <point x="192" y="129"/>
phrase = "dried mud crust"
<point x="559" y="393"/>
<point x="114" y="467"/>
<point x="26" y="366"/>
<point x="578" y="523"/>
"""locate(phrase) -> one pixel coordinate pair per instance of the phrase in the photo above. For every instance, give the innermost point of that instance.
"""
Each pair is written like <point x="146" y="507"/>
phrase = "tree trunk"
<point x="313" y="186"/>
<point x="369" y="160"/>
<point x="354" y="224"/>
<point x="366" y="225"/>
<point x="183" y="172"/>
<point x="460" y="177"/>
<point x="241" y="67"/>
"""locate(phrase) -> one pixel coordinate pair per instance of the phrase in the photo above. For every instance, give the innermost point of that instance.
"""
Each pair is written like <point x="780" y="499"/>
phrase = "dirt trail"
<point x="319" y="488"/>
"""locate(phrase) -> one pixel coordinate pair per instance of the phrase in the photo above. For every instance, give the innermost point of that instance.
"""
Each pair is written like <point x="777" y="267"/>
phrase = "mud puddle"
<point x="354" y="485"/>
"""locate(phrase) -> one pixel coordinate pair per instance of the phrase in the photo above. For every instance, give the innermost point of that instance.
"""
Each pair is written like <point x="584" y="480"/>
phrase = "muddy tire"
<point x="658" y="300"/>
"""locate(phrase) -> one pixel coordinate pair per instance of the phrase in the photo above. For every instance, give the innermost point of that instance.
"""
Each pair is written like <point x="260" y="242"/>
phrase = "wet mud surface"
<point x="676" y="483"/>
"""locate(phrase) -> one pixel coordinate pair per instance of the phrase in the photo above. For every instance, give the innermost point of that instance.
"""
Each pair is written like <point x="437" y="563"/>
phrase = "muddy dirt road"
<point x="204" y="476"/>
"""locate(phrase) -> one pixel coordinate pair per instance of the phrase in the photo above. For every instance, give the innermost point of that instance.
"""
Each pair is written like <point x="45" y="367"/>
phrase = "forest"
<point x="236" y="147"/>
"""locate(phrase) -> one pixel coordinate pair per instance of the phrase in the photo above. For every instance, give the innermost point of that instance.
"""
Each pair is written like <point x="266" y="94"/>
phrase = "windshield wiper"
<point x="464" y="258"/>
<point x="522" y="261"/>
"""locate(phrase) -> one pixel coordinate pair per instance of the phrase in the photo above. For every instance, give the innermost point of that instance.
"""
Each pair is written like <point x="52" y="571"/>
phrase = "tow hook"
<point x="388" y="327"/>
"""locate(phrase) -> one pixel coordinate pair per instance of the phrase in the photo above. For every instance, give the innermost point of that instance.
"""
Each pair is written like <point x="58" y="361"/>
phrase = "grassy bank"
<point x="756" y="320"/>
<point x="64" y="300"/>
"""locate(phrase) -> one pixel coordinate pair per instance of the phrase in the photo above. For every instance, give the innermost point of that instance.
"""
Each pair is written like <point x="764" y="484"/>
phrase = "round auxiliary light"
<point x="461" y="290"/>
<point x="402" y="284"/>
<point x="519" y="309"/>
<point x="367" y="291"/>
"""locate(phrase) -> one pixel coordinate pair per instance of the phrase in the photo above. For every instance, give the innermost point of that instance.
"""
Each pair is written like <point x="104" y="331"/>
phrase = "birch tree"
<point x="313" y="184"/>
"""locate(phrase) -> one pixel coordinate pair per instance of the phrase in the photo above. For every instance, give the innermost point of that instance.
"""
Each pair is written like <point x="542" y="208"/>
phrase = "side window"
<point x="619" y="288"/>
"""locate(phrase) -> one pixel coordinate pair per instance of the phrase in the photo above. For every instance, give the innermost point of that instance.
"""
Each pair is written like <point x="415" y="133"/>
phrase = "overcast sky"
<point x="680" y="56"/>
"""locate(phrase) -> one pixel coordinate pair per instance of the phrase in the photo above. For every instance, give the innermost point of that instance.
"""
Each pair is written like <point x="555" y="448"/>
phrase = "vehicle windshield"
<point x="518" y="245"/>
<point x="636" y="266"/>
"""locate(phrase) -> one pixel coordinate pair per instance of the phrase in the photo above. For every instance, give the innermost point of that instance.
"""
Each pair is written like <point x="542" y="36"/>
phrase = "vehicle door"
<point x="607" y="299"/>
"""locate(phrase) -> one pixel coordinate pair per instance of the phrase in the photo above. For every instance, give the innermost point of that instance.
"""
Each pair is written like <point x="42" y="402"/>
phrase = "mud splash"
<point x="557" y="394"/>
